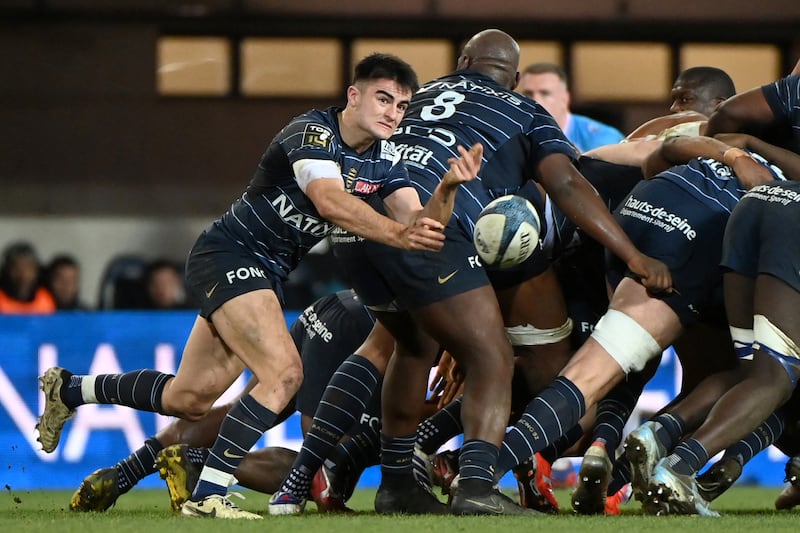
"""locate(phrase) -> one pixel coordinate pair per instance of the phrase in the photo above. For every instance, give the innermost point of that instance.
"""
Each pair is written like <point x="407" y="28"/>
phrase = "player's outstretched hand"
<point x="652" y="273"/>
<point x="464" y="168"/>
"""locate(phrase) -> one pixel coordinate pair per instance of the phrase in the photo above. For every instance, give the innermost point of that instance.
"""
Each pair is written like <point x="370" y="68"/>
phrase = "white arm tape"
<point x="529" y="335"/>
<point x="627" y="342"/>
<point x="308" y="170"/>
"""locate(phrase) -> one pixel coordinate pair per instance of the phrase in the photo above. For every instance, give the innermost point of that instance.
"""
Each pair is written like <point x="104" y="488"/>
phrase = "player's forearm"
<point x="723" y="121"/>
<point x="441" y="203"/>
<point x="744" y="110"/>
<point x="786" y="160"/>
<point x="355" y="216"/>
<point x="631" y="153"/>
<point x="680" y="150"/>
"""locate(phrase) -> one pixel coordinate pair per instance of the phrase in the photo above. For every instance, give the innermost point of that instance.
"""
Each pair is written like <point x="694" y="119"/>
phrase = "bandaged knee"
<point x="529" y="335"/>
<point x="742" y="342"/>
<point x="775" y="343"/>
<point x="627" y="342"/>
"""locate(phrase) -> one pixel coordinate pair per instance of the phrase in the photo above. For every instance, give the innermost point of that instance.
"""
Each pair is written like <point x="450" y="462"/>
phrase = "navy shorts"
<point x="326" y="334"/>
<point x="219" y="270"/>
<point x="761" y="237"/>
<point x="669" y="224"/>
<point x="383" y="275"/>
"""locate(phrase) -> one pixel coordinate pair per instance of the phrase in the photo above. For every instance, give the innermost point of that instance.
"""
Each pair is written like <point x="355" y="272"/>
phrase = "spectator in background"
<point x="63" y="280"/>
<point x="547" y="84"/>
<point x="21" y="291"/>
<point x="164" y="286"/>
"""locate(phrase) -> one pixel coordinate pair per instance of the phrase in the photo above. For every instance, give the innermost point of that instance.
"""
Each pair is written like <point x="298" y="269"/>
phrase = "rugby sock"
<point x="620" y="475"/>
<point x="140" y="389"/>
<point x="613" y="413"/>
<point x="443" y="425"/>
<point x="396" y="454"/>
<point x="688" y="457"/>
<point x="344" y="399"/>
<point x="197" y="456"/>
<point x="359" y="451"/>
<point x="138" y="465"/>
<point x="244" y="424"/>
<point x="547" y="417"/>
<point x="476" y="466"/>
<point x="760" y="439"/>
<point x="562" y="444"/>
<point x="669" y="429"/>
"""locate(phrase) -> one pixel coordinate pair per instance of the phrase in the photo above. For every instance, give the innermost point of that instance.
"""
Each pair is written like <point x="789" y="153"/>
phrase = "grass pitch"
<point x="743" y="509"/>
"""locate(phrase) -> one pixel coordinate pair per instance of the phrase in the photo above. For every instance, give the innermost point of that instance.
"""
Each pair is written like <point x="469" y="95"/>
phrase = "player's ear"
<point x="352" y="95"/>
<point x="516" y="81"/>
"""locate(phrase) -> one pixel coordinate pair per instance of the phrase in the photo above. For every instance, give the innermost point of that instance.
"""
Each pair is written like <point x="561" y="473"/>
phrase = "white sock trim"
<point x="87" y="389"/>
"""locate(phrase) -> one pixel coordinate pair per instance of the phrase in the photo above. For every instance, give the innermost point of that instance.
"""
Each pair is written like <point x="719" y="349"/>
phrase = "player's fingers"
<point x="476" y="152"/>
<point x="429" y="224"/>
<point x="427" y="244"/>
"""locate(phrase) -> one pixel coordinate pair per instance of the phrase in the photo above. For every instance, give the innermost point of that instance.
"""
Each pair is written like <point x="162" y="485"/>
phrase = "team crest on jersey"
<point x="317" y="135"/>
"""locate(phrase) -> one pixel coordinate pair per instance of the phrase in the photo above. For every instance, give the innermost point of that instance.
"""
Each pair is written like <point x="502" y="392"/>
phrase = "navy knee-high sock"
<point x="345" y="398"/>
<point x="138" y="465"/>
<point x="688" y="457"/>
<point x="614" y="410"/>
<point x="241" y="428"/>
<point x="548" y="416"/>
<point x="760" y="439"/>
<point x="443" y="425"/>
<point x="140" y="389"/>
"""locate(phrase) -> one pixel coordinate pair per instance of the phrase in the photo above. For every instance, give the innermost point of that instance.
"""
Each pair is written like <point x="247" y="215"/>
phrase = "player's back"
<point x="465" y="108"/>
<point x="712" y="182"/>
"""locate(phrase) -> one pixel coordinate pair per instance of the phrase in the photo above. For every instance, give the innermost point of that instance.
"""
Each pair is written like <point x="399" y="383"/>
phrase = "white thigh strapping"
<point x="742" y="342"/>
<point x="628" y="343"/>
<point x="529" y="335"/>
<point x="768" y="334"/>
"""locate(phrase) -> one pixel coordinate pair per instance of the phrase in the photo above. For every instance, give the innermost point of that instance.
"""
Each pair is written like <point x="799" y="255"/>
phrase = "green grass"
<point x="744" y="509"/>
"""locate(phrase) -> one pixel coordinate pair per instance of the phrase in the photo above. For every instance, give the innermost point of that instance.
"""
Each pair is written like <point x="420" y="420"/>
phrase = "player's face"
<point x="547" y="89"/>
<point x="380" y="106"/>
<point x="688" y="97"/>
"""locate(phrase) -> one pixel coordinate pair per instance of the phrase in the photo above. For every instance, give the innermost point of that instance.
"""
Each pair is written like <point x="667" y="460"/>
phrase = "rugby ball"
<point x="506" y="232"/>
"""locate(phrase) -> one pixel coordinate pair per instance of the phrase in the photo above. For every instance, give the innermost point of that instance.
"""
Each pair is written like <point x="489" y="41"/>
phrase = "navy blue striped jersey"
<point x="274" y="219"/>
<point x="713" y="182"/>
<point x="464" y="108"/>
<point x="783" y="98"/>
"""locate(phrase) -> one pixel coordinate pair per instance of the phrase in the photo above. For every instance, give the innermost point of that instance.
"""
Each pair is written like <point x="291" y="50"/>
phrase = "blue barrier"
<point x="109" y="342"/>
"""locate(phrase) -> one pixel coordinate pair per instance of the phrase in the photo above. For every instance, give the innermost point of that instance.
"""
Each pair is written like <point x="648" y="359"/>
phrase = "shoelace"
<point x="229" y="504"/>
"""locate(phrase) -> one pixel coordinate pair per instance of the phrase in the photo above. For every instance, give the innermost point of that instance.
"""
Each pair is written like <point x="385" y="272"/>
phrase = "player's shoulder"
<point x="314" y="129"/>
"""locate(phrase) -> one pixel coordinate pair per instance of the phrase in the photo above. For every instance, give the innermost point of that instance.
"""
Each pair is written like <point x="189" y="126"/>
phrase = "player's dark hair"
<point x="385" y="66"/>
<point x="716" y="79"/>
